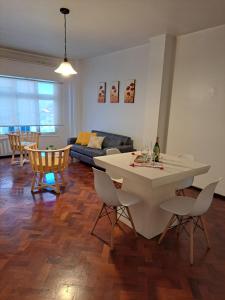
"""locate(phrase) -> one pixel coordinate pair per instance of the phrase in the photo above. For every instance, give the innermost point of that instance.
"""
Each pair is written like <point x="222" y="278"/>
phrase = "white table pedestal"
<point x="148" y="217"/>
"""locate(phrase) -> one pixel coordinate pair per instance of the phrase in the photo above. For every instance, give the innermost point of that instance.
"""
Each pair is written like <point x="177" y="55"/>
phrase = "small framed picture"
<point x="101" y="92"/>
<point x="114" y="92"/>
<point x="129" y="94"/>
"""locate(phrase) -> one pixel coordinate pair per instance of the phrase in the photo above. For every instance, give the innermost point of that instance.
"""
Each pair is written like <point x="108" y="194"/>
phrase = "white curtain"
<point x="72" y="107"/>
<point x="29" y="102"/>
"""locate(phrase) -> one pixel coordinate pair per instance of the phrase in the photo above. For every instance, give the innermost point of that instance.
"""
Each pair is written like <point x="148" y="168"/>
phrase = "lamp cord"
<point x="65" y="58"/>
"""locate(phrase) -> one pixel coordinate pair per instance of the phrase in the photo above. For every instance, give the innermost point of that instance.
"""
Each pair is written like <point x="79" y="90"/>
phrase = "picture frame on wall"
<point x="129" y="94"/>
<point x="114" y="92"/>
<point x="101" y="92"/>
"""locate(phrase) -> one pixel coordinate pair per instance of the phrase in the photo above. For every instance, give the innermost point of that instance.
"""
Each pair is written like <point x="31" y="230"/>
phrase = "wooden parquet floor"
<point x="47" y="252"/>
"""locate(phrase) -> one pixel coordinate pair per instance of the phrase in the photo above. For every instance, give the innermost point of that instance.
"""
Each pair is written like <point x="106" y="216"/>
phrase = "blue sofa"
<point x="111" y="140"/>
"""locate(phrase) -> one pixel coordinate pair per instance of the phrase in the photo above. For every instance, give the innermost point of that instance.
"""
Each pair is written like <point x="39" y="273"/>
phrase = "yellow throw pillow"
<point x="86" y="137"/>
<point x="80" y="138"/>
<point x="96" y="142"/>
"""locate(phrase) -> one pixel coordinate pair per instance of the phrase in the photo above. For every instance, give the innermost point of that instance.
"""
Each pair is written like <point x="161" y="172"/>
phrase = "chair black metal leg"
<point x="172" y="219"/>
<point x="98" y="217"/>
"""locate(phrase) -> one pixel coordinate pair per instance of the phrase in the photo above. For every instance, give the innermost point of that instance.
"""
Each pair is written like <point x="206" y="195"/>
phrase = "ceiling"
<point x="100" y="26"/>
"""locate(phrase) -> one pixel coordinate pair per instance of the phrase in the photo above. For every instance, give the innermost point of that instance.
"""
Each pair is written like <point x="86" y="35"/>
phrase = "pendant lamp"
<point x="65" y="68"/>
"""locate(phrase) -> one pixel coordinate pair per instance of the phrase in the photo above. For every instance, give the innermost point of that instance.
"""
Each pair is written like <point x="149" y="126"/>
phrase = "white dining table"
<point x="152" y="185"/>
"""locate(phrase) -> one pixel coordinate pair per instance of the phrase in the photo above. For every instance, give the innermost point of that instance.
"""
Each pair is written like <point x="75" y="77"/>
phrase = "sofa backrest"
<point x="113" y="140"/>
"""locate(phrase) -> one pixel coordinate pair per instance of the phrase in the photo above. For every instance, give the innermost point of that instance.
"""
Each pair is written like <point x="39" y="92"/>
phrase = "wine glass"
<point x="144" y="152"/>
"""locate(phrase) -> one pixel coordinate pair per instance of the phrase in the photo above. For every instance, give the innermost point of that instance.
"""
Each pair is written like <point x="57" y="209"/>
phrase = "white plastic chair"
<point x="190" y="210"/>
<point x="112" y="151"/>
<point x="186" y="183"/>
<point x="114" y="201"/>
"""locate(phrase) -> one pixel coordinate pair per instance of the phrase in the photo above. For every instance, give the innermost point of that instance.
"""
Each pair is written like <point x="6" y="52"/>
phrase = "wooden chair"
<point x="48" y="161"/>
<point x="29" y="136"/>
<point x="19" y="141"/>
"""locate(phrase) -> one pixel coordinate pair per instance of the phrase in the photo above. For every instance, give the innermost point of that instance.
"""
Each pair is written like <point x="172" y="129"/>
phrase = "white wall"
<point x="140" y="119"/>
<point x="197" y="118"/>
<point x="39" y="71"/>
<point x="122" y="118"/>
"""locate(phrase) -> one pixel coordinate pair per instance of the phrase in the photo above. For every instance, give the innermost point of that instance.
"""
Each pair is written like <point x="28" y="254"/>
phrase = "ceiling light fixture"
<point x="65" y="67"/>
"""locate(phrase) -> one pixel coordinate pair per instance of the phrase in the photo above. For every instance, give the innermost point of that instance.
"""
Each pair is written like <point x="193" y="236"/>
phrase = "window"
<point x="29" y="105"/>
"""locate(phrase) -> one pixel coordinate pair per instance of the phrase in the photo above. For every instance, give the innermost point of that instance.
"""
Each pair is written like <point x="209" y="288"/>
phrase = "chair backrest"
<point x="189" y="181"/>
<point x="186" y="156"/>
<point x="29" y="136"/>
<point x="47" y="161"/>
<point x="105" y="188"/>
<point x="204" y="199"/>
<point x="14" y="141"/>
<point x="111" y="151"/>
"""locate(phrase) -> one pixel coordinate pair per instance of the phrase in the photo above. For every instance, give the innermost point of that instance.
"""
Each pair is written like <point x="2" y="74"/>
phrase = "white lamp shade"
<point x="65" y="69"/>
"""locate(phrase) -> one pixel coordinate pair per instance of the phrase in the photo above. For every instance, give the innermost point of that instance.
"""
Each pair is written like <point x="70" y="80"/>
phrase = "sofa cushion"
<point x="82" y="157"/>
<point x="80" y="138"/>
<point x="96" y="142"/>
<point x="93" y="152"/>
<point x="111" y="139"/>
<point x="77" y="148"/>
<point x="87" y="151"/>
<point x="86" y="137"/>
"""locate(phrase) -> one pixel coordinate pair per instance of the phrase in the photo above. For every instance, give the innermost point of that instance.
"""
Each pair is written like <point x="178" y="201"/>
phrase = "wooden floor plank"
<point x="48" y="253"/>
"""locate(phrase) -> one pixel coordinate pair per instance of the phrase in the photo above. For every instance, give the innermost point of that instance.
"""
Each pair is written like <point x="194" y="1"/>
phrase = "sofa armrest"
<point x="125" y="148"/>
<point x="71" y="140"/>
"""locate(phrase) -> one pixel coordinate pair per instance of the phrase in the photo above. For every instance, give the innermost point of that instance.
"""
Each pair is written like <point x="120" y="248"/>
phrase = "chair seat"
<point x="192" y="210"/>
<point x="27" y="144"/>
<point x="127" y="199"/>
<point x="179" y="205"/>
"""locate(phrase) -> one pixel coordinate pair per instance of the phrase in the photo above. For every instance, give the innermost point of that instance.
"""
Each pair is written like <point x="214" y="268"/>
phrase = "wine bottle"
<point x="156" y="150"/>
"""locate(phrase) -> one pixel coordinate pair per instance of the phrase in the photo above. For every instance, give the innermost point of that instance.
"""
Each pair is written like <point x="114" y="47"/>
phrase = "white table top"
<point x="175" y="168"/>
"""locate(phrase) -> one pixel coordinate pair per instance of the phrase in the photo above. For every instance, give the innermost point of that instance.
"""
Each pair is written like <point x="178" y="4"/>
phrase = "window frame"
<point x="38" y="127"/>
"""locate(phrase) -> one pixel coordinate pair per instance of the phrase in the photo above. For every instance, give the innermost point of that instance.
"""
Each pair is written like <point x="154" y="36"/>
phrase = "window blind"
<point x="30" y="103"/>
